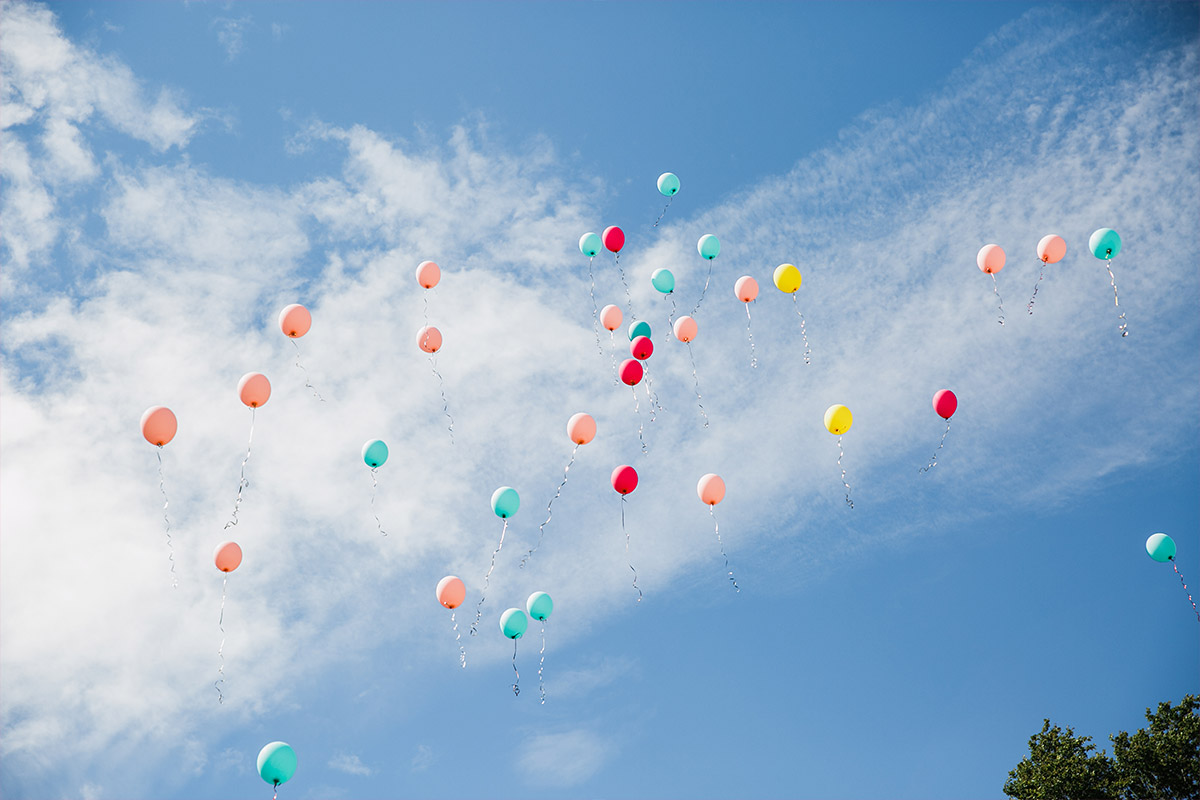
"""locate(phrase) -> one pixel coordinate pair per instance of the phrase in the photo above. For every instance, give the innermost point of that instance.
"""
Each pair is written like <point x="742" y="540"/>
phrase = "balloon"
<point x="1051" y="249"/>
<point x="513" y="623"/>
<point x="630" y="371"/>
<point x="295" y="321"/>
<point x="640" y="328"/>
<point x="614" y="238"/>
<point x="277" y="763"/>
<point x="428" y="274"/>
<point x="375" y="453"/>
<point x="709" y="246"/>
<point x="159" y="425"/>
<point x="505" y="502"/>
<point x="641" y="348"/>
<point x="539" y="605"/>
<point x="581" y="428"/>
<point x="1104" y="243"/>
<point x="945" y="403"/>
<point x="838" y="419"/>
<point x="451" y="592"/>
<point x="711" y="489"/>
<point x="746" y="288"/>
<point x="663" y="281"/>
<point x="668" y="184"/>
<point x="589" y="244"/>
<point x="1161" y="547"/>
<point x="990" y="258"/>
<point x="787" y="278"/>
<point x="624" y="479"/>
<point x="429" y="339"/>
<point x="611" y="317"/>
<point x="227" y="556"/>
<point x="686" y="329"/>
<point x="254" y="389"/>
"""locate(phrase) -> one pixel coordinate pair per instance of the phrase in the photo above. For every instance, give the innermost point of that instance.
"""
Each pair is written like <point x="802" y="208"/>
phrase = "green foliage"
<point x="1062" y="766"/>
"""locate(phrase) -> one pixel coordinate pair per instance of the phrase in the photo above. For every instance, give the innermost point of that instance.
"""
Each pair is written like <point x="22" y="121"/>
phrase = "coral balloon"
<point x="1161" y="547"/>
<point x="711" y="489"/>
<point x="945" y="403"/>
<point x="611" y="317"/>
<point x="590" y="244"/>
<point x="581" y="428"/>
<point x="624" y="479"/>
<point x="668" y="184"/>
<point x="1104" y="243"/>
<point x="227" y="556"/>
<point x="1051" y="249"/>
<point x="514" y="623"/>
<point x="375" y="453"/>
<point x="539" y="605"/>
<point x="663" y="280"/>
<point x="787" y="278"/>
<point x="709" y="246"/>
<point x="838" y="419"/>
<point x="254" y="389"/>
<point x="746" y="288"/>
<point x="614" y="238"/>
<point x="641" y="348"/>
<point x="451" y="591"/>
<point x="630" y="371"/>
<point x="505" y="502"/>
<point x="159" y="425"/>
<point x="686" y="329"/>
<point x="277" y="763"/>
<point x="428" y="274"/>
<point x="295" y="321"/>
<point x="990" y="258"/>
<point x="429" y="339"/>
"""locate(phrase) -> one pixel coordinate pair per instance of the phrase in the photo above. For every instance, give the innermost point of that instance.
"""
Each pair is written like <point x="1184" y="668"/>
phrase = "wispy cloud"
<point x="231" y="34"/>
<point x="350" y="764"/>
<point x="563" y="759"/>
<point x="422" y="759"/>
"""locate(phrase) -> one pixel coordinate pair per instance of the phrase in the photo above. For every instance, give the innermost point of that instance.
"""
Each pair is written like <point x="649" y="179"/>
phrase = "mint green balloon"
<point x="375" y="453"/>
<point x="709" y="246"/>
<point x="589" y="244"/>
<point x="668" y="184"/>
<point x="539" y="605"/>
<point x="639" y="328"/>
<point x="1160" y="547"/>
<point x="277" y="763"/>
<point x="1105" y="243"/>
<point x="513" y="623"/>
<point x="505" y="502"/>
<point x="663" y="280"/>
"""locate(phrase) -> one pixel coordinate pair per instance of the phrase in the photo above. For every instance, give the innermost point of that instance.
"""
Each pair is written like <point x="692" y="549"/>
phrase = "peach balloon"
<point x="159" y="425"/>
<point x="711" y="489"/>
<point x="429" y="339"/>
<point x="746" y="289"/>
<point x="686" y="329"/>
<point x="227" y="556"/>
<point x="451" y="592"/>
<point x="254" y="389"/>
<point x="611" y="317"/>
<point x="1051" y="249"/>
<point x="428" y="274"/>
<point x="295" y="321"/>
<point x="581" y="428"/>
<point x="990" y="258"/>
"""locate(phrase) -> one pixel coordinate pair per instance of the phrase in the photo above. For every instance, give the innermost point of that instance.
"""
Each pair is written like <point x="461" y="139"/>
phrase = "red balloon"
<point x="631" y="372"/>
<point x="624" y="479"/>
<point x="641" y="348"/>
<point x="945" y="403"/>
<point x="613" y="238"/>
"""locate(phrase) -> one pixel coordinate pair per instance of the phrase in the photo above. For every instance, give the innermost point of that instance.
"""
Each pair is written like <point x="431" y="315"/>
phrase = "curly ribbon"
<point x="933" y="461"/>
<point x="628" y="295"/>
<point x="624" y="531"/>
<point x="1124" y="328"/>
<point x="517" y="683"/>
<point x="664" y="211"/>
<point x="487" y="579"/>
<point x="651" y="396"/>
<point x="374" y="486"/>
<point x="462" y="651"/>
<point x="307" y="383"/>
<point x="276" y="795"/>
<point x="849" y="502"/>
<point x="803" y="333"/>
<point x="549" y="513"/>
<point x="720" y="544"/>
<point x="750" y="335"/>
<point x="696" y="378"/>
<point x="670" y="317"/>
<point x="613" y="352"/>
<point x="445" y="402"/>
<point x="637" y="410"/>
<point x="221" y="649"/>
<point x="162" y="487"/>
<point x="595" y="309"/>
<point x="243" y="483"/>
<point x="705" y="289"/>
<point x="425" y="310"/>
<point x="1041" y="274"/>
<point x="542" y="663"/>
<point x="1185" y="588"/>
<point x="999" y="302"/>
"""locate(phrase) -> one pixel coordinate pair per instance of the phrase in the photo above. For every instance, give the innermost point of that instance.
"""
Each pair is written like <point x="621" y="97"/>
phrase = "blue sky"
<point x="174" y="174"/>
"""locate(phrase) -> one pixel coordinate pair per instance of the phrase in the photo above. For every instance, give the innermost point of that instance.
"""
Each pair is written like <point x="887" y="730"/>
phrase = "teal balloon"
<point x="663" y="280"/>
<point x="589" y="244"/>
<point x="709" y="246"/>
<point x="639" y="328"/>
<point x="1160" y="547"/>
<point x="668" y="184"/>
<point x="505" y="502"/>
<point x="1105" y="243"/>
<point x="374" y="453"/>
<point x="277" y="763"/>
<point x="513" y="623"/>
<point x="539" y="605"/>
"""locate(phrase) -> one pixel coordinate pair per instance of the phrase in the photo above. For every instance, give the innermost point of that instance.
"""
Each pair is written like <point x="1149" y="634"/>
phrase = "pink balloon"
<point x="746" y="288"/>
<point x="1051" y="249"/>
<point x="295" y="321"/>
<point x="990" y="258"/>
<point x="451" y="592"/>
<point x="254" y="389"/>
<point x="641" y="348"/>
<point x="711" y="489"/>
<point x="631" y="372"/>
<point x="611" y="317"/>
<point x="581" y="428"/>
<point x="613" y="238"/>
<point x="624" y="479"/>
<point x="686" y="329"/>
<point x="227" y="556"/>
<point x="429" y="339"/>
<point x="428" y="274"/>
<point x="945" y="403"/>
<point x="159" y="425"/>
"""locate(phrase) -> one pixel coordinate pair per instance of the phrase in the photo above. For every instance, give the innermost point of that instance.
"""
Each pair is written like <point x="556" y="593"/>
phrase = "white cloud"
<point x="422" y="759"/>
<point x="231" y="34"/>
<point x="563" y="759"/>
<point x="350" y="764"/>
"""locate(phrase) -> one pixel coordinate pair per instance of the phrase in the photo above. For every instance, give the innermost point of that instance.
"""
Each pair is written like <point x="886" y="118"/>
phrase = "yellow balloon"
<point x="787" y="278"/>
<point x="838" y="419"/>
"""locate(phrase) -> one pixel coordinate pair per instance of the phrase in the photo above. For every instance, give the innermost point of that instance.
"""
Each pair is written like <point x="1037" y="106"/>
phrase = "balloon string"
<point x="696" y="378"/>
<point x="1116" y="301"/>
<point x="462" y="651"/>
<point x="595" y="309"/>
<point x="626" y="532"/>
<point x="637" y="410"/>
<point x="549" y="513"/>
<point x="1041" y="274"/>
<point x="276" y="795"/>
<point x="445" y="402"/>
<point x="628" y="295"/>
<point x="221" y="649"/>
<point x="487" y="579"/>
<point x="374" y="486"/>
<point x="750" y="334"/>
<point x="705" y="289"/>
<point x="243" y="483"/>
<point x="517" y="683"/>
<point x="542" y="663"/>
<point x="307" y="383"/>
<point x="664" y="211"/>
<point x="425" y="309"/>
<point x="162" y="487"/>
<point x="803" y="333"/>
<point x="1185" y="587"/>
<point x="999" y="301"/>
<point x="670" y="317"/>
<point x="721" y="545"/>
<point x="651" y="397"/>
<point x="933" y="461"/>
<point x="849" y="502"/>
